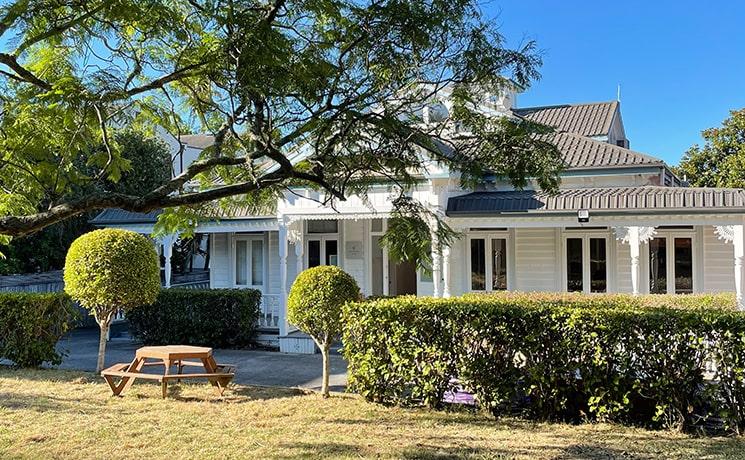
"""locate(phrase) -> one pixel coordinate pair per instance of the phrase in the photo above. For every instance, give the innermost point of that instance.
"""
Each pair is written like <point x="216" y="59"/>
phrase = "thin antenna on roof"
<point x="618" y="93"/>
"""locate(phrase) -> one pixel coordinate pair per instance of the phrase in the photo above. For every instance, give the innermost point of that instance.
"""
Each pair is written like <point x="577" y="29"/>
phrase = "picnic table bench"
<point x="181" y="356"/>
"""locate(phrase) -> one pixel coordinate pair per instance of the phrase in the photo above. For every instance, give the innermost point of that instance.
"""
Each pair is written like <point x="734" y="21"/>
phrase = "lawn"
<point x="58" y="414"/>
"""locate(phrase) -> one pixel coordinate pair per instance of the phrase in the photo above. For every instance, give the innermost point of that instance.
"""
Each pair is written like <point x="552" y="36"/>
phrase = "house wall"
<point x="536" y="257"/>
<point x="354" y="250"/>
<point x="537" y="261"/>
<point x="220" y="261"/>
<point x="718" y="270"/>
<point x="623" y="267"/>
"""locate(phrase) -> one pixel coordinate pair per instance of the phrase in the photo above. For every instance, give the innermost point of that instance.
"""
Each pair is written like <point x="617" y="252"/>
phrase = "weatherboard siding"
<point x="718" y="263"/>
<point x="219" y="261"/>
<point x="535" y="260"/>
<point x="623" y="267"/>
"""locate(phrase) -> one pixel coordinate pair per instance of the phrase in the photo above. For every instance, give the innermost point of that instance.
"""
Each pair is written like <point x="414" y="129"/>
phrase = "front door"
<point x="402" y="279"/>
<point x="322" y="251"/>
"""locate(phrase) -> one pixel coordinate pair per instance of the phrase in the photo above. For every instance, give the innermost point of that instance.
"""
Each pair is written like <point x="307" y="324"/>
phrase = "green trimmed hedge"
<point x="636" y="360"/>
<point x="205" y="317"/>
<point x="31" y="325"/>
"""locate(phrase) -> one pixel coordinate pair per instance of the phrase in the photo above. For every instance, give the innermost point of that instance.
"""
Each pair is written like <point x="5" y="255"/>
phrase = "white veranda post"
<point x="635" y="236"/>
<point x="168" y="242"/>
<point x="735" y="235"/>
<point x="436" y="274"/>
<point x="283" y="241"/>
<point x="446" y="271"/>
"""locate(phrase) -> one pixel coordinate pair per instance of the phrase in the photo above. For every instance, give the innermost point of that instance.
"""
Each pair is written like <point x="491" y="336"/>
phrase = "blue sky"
<point x="681" y="65"/>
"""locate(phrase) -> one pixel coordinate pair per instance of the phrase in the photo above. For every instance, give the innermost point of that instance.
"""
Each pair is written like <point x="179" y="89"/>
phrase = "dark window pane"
<point x="323" y="226"/>
<point x="499" y="264"/>
<point x="683" y="266"/>
<point x="332" y="253"/>
<point x="241" y="265"/>
<point x="376" y="225"/>
<point x="574" y="264"/>
<point x="658" y="266"/>
<point x="314" y="253"/>
<point x="377" y="266"/>
<point x="598" y="260"/>
<point x="478" y="264"/>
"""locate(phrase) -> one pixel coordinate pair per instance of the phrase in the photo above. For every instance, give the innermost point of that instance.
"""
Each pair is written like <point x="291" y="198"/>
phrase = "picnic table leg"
<point x="126" y="382"/>
<point x="211" y="366"/>
<point x="164" y="384"/>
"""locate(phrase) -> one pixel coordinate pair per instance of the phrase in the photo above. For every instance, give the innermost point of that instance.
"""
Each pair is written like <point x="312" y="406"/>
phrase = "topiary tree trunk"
<point x="104" y="323"/>
<point x="325" y="347"/>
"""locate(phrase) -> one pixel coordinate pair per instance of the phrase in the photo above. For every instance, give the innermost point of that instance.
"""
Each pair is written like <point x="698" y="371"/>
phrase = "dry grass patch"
<point x="58" y="414"/>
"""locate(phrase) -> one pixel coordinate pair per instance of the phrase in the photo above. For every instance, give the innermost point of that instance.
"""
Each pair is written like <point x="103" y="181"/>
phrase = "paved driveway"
<point x="255" y="367"/>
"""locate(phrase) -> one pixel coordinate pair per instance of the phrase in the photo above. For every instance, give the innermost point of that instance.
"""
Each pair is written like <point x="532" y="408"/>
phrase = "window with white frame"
<point x="249" y="262"/>
<point x="322" y="243"/>
<point x="586" y="263"/>
<point x="488" y="262"/>
<point x="671" y="263"/>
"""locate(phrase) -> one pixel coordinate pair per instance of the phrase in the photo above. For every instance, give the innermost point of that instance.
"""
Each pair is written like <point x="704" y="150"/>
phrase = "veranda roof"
<point x="605" y="199"/>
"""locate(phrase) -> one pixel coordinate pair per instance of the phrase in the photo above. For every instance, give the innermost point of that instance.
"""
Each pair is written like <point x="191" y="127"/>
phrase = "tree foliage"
<point x="149" y="167"/>
<point x="721" y="160"/>
<point x="108" y="270"/>
<point x="409" y="236"/>
<point x="321" y="93"/>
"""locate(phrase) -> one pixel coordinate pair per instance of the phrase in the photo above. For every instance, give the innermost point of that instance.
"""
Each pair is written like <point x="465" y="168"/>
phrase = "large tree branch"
<point x="157" y="83"/>
<point x="24" y="225"/>
<point x="22" y="72"/>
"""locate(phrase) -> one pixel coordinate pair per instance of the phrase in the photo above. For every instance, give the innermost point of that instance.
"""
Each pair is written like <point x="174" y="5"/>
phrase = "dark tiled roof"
<point x="114" y="216"/>
<point x="582" y="152"/>
<point x="602" y="199"/>
<point x="593" y="119"/>
<point x="119" y="216"/>
<point x="199" y="141"/>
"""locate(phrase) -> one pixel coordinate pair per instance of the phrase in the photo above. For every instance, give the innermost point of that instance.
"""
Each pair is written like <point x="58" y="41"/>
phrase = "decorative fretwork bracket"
<point x="725" y="232"/>
<point x="646" y="234"/>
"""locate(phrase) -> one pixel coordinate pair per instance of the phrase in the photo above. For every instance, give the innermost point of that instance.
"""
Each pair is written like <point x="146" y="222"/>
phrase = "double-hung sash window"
<point x="322" y="243"/>
<point x="671" y="264"/>
<point x="249" y="262"/>
<point x="586" y="263"/>
<point x="488" y="263"/>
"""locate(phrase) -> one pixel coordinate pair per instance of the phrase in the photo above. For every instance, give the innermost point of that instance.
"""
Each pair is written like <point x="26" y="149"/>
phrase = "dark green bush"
<point x="205" y="317"/>
<point x="31" y="325"/>
<point x="568" y="357"/>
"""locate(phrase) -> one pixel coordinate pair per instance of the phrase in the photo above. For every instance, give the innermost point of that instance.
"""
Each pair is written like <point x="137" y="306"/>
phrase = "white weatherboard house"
<point x="622" y="222"/>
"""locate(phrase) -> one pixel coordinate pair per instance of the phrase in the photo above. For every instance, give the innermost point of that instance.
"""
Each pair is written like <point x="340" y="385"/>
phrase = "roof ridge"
<point x="573" y="104"/>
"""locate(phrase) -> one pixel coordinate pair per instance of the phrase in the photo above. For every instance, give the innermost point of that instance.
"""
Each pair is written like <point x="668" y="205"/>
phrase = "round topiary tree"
<point x="315" y="307"/>
<point x="107" y="270"/>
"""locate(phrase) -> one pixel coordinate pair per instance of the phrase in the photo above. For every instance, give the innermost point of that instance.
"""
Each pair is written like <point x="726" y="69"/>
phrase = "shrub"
<point x="108" y="270"/>
<point x="205" y="317"/>
<point x="569" y="357"/>
<point x="31" y="325"/>
<point x="315" y="307"/>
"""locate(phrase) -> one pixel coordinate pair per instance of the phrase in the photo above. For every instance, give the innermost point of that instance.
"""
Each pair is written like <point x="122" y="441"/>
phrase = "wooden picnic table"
<point x="168" y="356"/>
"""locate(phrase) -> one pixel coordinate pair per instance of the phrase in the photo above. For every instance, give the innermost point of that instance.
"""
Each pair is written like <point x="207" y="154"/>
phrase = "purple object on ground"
<point x="459" y="396"/>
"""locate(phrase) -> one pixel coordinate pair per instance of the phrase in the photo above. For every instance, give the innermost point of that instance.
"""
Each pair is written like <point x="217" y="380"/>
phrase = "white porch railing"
<point x="118" y="316"/>
<point x="269" y="314"/>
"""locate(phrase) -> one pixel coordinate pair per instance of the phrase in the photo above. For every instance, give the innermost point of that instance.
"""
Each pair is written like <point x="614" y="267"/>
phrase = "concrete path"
<point x="255" y="367"/>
